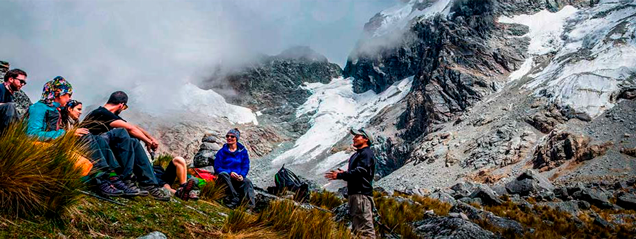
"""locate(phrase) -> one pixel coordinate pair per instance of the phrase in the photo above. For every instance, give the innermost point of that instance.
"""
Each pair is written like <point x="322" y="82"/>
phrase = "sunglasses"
<point x="125" y="106"/>
<point x="22" y="81"/>
<point x="229" y="136"/>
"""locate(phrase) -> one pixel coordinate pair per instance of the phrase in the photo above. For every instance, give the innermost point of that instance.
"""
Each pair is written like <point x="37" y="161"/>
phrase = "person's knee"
<point x="179" y="161"/>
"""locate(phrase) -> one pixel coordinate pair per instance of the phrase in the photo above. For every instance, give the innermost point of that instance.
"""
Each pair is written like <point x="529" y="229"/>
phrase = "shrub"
<point x="38" y="178"/>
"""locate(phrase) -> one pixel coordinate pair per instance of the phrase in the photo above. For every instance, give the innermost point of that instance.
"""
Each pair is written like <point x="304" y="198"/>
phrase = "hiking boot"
<point x="128" y="191"/>
<point x="194" y="194"/>
<point x="107" y="189"/>
<point x="158" y="193"/>
<point x="130" y="184"/>
<point x="184" y="190"/>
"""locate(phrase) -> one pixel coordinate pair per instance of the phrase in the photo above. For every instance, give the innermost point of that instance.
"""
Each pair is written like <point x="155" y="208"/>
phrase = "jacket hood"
<point x="239" y="148"/>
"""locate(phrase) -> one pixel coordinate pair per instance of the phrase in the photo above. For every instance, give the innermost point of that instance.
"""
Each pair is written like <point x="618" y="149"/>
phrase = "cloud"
<point x="158" y="46"/>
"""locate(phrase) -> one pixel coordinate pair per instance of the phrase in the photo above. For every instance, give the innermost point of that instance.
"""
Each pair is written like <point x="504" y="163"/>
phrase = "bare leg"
<point x="182" y="173"/>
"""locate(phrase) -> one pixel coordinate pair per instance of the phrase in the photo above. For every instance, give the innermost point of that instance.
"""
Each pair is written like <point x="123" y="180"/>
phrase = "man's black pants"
<point x="131" y="156"/>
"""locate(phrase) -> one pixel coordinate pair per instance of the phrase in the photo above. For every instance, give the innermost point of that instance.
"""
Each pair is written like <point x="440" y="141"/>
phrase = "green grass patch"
<point x="141" y="215"/>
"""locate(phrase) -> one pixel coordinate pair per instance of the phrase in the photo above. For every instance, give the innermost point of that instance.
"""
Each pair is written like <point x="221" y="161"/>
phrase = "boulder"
<point x="443" y="197"/>
<point x="204" y="158"/>
<point x="627" y="201"/>
<point x="210" y="146"/>
<point x="463" y="189"/>
<point x="571" y="207"/>
<point x="489" y="217"/>
<point x="595" y="197"/>
<point x="263" y="199"/>
<point x="562" y="193"/>
<point x="560" y="147"/>
<point x="472" y="201"/>
<point x="487" y="195"/>
<point x="450" y="227"/>
<point x="211" y="139"/>
<point x="529" y="183"/>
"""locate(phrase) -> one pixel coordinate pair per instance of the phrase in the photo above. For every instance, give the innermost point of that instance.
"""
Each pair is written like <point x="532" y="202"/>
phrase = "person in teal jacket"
<point x="45" y="121"/>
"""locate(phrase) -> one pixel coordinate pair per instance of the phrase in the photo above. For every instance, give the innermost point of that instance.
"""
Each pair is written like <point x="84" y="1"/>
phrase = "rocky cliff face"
<point x="481" y="80"/>
<point x="271" y="84"/>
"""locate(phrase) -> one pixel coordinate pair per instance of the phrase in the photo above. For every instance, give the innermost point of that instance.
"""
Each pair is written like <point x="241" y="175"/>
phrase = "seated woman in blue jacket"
<point x="231" y="164"/>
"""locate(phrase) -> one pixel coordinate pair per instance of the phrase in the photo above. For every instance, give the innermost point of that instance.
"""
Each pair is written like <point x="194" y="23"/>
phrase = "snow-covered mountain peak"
<point x="399" y="16"/>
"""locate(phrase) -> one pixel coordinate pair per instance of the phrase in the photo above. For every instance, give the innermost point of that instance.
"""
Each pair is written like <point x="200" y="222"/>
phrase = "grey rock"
<point x="211" y="139"/>
<point x="204" y="158"/>
<point x="494" y="220"/>
<point x="263" y="199"/>
<point x="210" y="146"/>
<point x="627" y="201"/>
<point x="516" y="199"/>
<point x="154" y="235"/>
<point x="584" y="205"/>
<point x="593" y="196"/>
<point x="450" y="227"/>
<point x="562" y="193"/>
<point x="602" y="222"/>
<point x="620" y="185"/>
<point x="444" y="197"/>
<point x="500" y="189"/>
<point x="341" y="213"/>
<point x="487" y="195"/>
<point x="528" y="183"/>
<point x="470" y="200"/>
<point x="571" y="207"/>
<point x="463" y="189"/>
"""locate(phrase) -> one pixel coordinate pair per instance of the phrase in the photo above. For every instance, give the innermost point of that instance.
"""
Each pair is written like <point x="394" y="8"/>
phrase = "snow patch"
<point x="545" y="28"/>
<point x="594" y="56"/>
<point x="336" y="109"/>
<point x="192" y="100"/>
<point x="522" y="71"/>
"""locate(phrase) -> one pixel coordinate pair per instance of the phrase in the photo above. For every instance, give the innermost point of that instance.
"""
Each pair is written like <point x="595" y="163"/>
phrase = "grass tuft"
<point x="38" y="178"/>
<point x="399" y="215"/>
<point x="213" y="191"/>
<point x="293" y="221"/>
<point x="325" y="199"/>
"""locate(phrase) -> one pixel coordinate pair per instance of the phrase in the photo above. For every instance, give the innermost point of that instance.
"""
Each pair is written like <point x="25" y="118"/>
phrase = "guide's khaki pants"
<point x="361" y="211"/>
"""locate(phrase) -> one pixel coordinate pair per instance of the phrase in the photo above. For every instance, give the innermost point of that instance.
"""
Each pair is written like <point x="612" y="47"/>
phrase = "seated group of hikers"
<point x="120" y="165"/>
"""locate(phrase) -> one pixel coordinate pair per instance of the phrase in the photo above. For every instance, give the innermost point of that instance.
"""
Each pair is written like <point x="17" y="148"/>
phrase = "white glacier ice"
<point x="336" y="109"/>
<point x="594" y="57"/>
<point x="399" y="16"/>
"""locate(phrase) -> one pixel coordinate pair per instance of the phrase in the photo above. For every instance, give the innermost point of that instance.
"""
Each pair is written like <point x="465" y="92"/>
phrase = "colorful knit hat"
<point x="57" y="85"/>
<point x="236" y="133"/>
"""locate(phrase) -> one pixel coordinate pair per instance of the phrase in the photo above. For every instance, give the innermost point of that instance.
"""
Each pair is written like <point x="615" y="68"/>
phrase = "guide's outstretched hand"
<point x="333" y="174"/>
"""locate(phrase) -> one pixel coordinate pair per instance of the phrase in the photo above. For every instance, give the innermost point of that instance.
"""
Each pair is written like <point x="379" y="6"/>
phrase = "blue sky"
<point x="101" y="46"/>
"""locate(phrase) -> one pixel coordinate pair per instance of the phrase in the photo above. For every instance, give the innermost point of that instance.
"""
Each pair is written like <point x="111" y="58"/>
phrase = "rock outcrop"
<point x="561" y="147"/>
<point x="271" y="84"/>
<point x="450" y="227"/>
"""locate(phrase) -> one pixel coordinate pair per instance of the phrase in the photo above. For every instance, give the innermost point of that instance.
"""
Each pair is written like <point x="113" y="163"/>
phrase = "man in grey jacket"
<point x="359" y="177"/>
